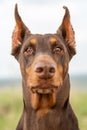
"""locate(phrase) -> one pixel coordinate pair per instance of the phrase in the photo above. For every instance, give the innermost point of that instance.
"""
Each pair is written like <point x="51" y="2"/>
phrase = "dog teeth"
<point x="44" y="91"/>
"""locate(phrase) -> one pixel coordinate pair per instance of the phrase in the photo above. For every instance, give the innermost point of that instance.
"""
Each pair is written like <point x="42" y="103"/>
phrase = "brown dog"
<point x="44" y="61"/>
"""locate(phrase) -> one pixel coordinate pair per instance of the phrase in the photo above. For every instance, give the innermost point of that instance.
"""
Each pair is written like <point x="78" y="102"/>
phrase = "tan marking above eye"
<point x="33" y="41"/>
<point x="53" y="40"/>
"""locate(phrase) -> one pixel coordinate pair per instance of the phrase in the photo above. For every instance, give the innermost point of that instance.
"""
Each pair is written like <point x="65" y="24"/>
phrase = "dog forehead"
<point x="47" y="38"/>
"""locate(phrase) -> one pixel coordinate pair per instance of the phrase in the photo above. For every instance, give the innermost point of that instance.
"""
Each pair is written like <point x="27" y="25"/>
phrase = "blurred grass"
<point x="79" y="103"/>
<point x="11" y="107"/>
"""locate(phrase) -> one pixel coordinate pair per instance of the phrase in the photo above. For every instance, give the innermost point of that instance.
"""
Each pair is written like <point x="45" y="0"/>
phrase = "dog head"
<point x="43" y="59"/>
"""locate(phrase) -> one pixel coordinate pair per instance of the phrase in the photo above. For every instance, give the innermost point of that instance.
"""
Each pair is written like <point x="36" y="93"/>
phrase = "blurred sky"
<point x="42" y="17"/>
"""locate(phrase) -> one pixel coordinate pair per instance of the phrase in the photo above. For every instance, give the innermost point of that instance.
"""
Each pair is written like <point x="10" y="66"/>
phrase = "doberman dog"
<point x="44" y="61"/>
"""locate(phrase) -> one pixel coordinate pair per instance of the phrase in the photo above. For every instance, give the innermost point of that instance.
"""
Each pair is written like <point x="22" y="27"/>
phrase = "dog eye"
<point x="29" y="51"/>
<point x="57" y="50"/>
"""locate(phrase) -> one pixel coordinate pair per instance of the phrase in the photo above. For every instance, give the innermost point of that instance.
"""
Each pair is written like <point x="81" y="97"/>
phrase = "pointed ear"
<point x="19" y="34"/>
<point x="67" y="32"/>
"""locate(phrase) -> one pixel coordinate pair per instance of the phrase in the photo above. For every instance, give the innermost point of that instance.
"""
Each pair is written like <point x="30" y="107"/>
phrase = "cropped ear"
<point x="19" y="34"/>
<point x="67" y="32"/>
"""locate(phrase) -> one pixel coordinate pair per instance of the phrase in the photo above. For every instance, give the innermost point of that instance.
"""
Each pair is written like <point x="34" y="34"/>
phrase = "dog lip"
<point x="45" y="89"/>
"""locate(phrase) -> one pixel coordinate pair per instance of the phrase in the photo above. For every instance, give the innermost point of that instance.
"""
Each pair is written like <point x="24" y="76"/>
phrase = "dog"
<point x="44" y="62"/>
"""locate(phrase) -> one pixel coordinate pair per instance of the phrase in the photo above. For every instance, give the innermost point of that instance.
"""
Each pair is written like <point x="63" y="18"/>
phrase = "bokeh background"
<point x="41" y="17"/>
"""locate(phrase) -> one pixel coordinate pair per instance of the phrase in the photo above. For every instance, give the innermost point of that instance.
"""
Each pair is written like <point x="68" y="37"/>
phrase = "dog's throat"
<point x="44" y="105"/>
<point x="42" y="101"/>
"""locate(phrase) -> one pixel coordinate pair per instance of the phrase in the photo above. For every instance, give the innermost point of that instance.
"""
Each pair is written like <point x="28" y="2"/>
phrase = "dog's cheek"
<point x="58" y="78"/>
<point x="60" y="73"/>
<point x="31" y="77"/>
<point x="22" y="68"/>
<point x="65" y="69"/>
<point x="64" y="64"/>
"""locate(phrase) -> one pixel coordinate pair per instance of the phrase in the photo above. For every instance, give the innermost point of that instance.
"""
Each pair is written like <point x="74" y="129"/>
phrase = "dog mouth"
<point x="44" y="89"/>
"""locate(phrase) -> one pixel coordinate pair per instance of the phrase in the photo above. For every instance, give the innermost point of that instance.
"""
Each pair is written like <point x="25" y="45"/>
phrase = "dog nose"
<point x="45" y="70"/>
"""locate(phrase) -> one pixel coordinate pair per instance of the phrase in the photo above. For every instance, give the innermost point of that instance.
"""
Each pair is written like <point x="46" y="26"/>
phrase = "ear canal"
<point x="67" y="32"/>
<point x="19" y="34"/>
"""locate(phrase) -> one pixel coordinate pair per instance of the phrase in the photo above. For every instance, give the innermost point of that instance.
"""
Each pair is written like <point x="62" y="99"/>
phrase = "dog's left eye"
<point x="57" y="50"/>
<point x="29" y="51"/>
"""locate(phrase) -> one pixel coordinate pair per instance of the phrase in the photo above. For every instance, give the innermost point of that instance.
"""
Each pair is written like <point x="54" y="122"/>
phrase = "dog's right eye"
<point x="57" y="50"/>
<point x="29" y="51"/>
